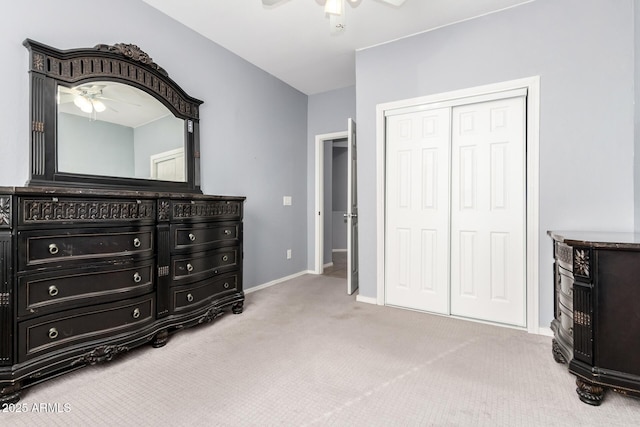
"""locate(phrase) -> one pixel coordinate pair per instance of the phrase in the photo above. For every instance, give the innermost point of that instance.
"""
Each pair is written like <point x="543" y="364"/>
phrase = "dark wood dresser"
<point x="87" y="274"/>
<point x="597" y="311"/>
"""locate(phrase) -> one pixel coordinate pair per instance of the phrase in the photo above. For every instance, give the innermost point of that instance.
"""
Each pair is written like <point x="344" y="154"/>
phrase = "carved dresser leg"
<point x="9" y="395"/>
<point x="589" y="393"/>
<point x="237" y="307"/>
<point x="160" y="339"/>
<point x="557" y="354"/>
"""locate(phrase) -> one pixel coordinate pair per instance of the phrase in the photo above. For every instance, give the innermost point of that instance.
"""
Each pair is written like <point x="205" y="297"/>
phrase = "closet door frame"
<point x="532" y="87"/>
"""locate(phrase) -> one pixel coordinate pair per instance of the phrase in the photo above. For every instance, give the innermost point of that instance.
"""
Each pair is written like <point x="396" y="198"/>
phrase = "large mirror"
<point x="109" y="117"/>
<point x="111" y="129"/>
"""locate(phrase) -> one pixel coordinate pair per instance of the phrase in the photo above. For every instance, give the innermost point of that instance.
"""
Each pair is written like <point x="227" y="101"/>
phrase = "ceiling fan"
<point x="335" y="9"/>
<point x="391" y="2"/>
<point x="92" y="98"/>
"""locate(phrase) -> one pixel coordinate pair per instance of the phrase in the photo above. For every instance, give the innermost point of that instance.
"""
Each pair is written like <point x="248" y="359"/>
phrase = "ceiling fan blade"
<point x="122" y="101"/>
<point x="394" y="2"/>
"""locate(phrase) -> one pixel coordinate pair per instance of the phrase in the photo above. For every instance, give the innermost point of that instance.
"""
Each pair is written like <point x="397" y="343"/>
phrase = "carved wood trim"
<point x="5" y="211"/>
<point x="53" y="211"/>
<point x="121" y="61"/>
<point x="101" y="354"/>
<point x="196" y="209"/>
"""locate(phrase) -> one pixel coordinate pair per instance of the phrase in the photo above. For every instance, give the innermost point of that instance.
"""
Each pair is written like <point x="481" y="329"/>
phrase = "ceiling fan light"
<point x="98" y="106"/>
<point x="83" y="103"/>
<point x="333" y="7"/>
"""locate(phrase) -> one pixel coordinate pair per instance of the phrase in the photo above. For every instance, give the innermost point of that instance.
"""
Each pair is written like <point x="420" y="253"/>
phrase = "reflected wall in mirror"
<point x="111" y="129"/>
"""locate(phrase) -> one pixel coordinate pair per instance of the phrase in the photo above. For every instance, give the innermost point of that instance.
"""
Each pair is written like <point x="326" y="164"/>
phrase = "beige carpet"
<point x="305" y="354"/>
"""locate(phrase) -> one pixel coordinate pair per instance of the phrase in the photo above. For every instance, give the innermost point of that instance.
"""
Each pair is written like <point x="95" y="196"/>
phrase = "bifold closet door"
<point x="488" y="202"/>
<point x="417" y="210"/>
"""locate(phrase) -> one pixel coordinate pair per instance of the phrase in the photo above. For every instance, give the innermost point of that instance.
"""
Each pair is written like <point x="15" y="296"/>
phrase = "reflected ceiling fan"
<point x="91" y="98"/>
<point x="335" y="9"/>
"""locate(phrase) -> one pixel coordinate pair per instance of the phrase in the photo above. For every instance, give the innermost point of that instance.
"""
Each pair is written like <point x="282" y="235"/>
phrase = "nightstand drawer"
<point x="42" y="293"/>
<point x="203" y="292"/>
<point x="48" y="333"/>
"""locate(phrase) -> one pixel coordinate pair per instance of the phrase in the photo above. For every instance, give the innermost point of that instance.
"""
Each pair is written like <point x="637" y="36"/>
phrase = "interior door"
<point x="488" y="211"/>
<point x="168" y="165"/>
<point x="417" y="210"/>
<point x="352" y="213"/>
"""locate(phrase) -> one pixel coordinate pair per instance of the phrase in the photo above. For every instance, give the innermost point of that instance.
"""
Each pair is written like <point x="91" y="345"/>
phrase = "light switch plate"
<point x="286" y="200"/>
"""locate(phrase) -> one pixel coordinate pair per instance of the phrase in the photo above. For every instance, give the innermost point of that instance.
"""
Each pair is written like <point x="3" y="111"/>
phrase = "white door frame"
<point x="319" y="190"/>
<point x="532" y="84"/>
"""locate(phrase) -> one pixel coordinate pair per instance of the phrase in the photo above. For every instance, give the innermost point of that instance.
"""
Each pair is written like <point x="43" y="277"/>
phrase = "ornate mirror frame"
<point x="122" y="63"/>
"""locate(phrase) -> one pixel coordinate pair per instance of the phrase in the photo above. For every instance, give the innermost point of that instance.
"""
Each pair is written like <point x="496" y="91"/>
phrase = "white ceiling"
<point x="292" y="40"/>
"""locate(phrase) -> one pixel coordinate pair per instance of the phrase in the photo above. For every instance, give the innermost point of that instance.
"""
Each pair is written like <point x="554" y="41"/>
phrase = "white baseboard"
<point x="546" y="331"/>
<point x="327" y="265"/>
<point x="367" y="300"/>
<point x="339" y="250"/>
<point x="276" y="281"/>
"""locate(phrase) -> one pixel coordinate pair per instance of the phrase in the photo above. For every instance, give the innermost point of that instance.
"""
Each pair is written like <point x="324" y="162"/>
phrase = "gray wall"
<point x="327" y="113"/>
<point x="94" y="147"/>
<point x="583" y="53"/>
<point x="253" y="126"/>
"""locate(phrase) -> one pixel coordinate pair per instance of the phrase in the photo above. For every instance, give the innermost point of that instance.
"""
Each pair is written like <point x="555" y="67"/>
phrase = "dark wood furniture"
<point x="93" y="265"/>
<point x="597" y="311"/>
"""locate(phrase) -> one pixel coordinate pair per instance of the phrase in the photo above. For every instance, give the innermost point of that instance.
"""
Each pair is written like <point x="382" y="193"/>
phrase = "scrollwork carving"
<point x="101" y="354"/>
<point x="5" y="211"/>
<point x="210" y="315"/>
<point x="206" y="209"/>
<point x="133" y="52"/>
<point x="581" y="262"/>
<point x="36" y="211"/>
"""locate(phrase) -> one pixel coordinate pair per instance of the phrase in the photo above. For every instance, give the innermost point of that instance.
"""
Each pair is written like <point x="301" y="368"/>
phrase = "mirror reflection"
<point x="112" y="129"/>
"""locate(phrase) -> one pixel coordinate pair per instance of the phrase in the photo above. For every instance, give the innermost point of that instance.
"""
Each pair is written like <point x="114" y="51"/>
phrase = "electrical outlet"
<point x="288" y="253"/>
<point x="286" y="200"/>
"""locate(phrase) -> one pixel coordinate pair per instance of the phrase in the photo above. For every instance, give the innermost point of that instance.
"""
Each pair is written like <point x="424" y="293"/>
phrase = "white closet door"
<point x="417" y="210"/>
<point x="488" y="199"/>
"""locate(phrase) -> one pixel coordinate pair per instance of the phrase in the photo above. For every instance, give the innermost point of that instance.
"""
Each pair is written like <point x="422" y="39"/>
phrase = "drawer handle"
<point x="137" y="278"/>
<point x="227" y="232"/>
<point x="136" y="313"/>
<point x="189" y="267"/>
<point x="225" y="258"/>
<point x="226" y="285"/>
<point x="192" y="237"/>
<point x="136" y="243"/>
<point x="53" y="291"/>
<point x="53" y="333"/>
<point x="53" y="249"/>
<point x="189" y="297"/>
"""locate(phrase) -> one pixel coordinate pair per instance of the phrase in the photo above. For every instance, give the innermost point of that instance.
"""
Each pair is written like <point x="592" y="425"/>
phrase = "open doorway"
<point x="331" y="188"/>
<point x="322" y="212"/>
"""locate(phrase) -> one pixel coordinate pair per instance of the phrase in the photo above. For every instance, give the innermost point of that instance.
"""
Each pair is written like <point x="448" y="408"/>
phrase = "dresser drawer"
<point x="204" y="236"/>
<point x="200" y="293"/>
<point x="42" y="293"/>
<point x="204" y="264"/>
<point x="40" y="248"/>
<point x="42" y="335"/>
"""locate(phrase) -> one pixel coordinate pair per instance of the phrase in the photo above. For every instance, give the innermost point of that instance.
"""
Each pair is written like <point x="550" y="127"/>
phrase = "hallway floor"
<point x="339" y="267"/>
